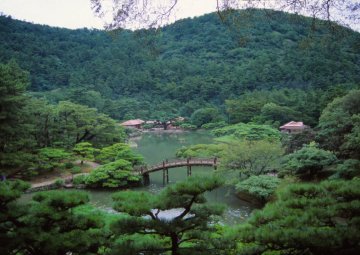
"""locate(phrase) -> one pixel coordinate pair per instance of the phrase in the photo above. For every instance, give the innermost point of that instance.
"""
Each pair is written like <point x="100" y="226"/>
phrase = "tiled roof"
<point x="132" y="122"/>
<point x="293" y="124"/>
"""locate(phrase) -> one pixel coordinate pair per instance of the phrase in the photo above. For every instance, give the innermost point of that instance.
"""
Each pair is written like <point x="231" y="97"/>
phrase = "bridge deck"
<point x="177" y="163"/>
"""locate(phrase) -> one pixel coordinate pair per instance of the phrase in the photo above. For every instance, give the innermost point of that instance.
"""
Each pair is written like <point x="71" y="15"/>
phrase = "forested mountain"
<point x="191" y="64"/>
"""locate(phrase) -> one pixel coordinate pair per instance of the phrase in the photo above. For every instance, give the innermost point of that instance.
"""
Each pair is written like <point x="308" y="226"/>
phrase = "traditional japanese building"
<point x="293" y="127"/>
<point x="133" y="123"/>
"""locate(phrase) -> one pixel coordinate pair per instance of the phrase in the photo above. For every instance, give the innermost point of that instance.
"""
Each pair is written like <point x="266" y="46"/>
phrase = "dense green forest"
<point x="191" y="64"/>
<point x="62" y="93"/>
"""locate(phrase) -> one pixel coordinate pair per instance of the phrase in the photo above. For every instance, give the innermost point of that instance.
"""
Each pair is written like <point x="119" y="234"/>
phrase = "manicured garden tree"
<point x="119" y="151"/>
<point x="78" y="123"/>
<point x="261" y="187"/>
<point x="112" y="175"/>
<point x="10" y="212"/>
<point x="49" y="159"/>
<point x="308" y="163"/>
<point x="249" y="132"/>
<point x="177" y="220"/>
<point x="55" y="224"/>
<point x="321" y="218"/>
<point x="84" y="151"/>
<point x="201" y="150"/>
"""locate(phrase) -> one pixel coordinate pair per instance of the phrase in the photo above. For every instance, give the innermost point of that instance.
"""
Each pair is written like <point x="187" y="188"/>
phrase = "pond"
<point x="156" y="147"/>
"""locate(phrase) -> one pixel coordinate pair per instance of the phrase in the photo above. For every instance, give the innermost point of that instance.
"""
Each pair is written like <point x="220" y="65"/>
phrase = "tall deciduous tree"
<point x="247" y="158"/>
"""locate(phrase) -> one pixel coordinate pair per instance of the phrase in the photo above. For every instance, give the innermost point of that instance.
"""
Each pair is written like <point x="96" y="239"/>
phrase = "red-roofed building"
<point x="293" y="127"/>
<point x="133" y="123"/>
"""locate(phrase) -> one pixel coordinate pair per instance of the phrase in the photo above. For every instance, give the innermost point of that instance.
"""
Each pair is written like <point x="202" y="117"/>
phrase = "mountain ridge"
<point x="200" y="61"/>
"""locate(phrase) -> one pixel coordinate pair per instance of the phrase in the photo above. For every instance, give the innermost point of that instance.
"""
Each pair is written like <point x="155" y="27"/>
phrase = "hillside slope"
<point x="187" y="65"/>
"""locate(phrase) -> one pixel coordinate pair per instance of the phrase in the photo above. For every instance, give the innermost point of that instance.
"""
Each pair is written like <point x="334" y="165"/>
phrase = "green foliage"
<point x="308" y="162"/>
<point x="13" y="83"/>
<point x="69" y="165"/>
<point x="13" y="129"/>
<point x="191" y="64"/>
<point x="205" y="115"/>
<point x="278" y="106"/>
<point x="246" y="158"/>
<point x="248" y="132"/>
<point x="187" y="126"/>
<point x="278" y="114"/>
<point x="320" y="218"/>
<point x="34" y="133"/>
<point x="59" y="183"/>
<point x="54" y="226"/>
<point x="262" y="187"/>
<point x="83" y="124"/>
<point x="294" y="142"/>
<point x="84" y="151"/>
<point x="51" y="158"/>
<point x="116" y="174"/>
<point x="119" y="151"/>
<point x="348" y="169"/>
<point x="213" y="125"/>
<point x="10" y="212"/>
<point x="79" y="179"/>
<point x="145" y="229"/>
<point x="75" y="169"/>
<point x="339" y="126"/>
<point x="201" y="150"/>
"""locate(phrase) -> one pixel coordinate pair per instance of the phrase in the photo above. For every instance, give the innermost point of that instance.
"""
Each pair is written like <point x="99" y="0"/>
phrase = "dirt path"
<point x="50" y="178"/>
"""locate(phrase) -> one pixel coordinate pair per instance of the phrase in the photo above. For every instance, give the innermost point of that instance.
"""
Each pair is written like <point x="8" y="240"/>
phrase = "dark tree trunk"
<point x="174" y="244"/>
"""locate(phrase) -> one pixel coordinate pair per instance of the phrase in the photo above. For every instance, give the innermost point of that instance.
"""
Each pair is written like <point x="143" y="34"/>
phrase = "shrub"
<point x="119" y="151"/>
<point x="308" y="162"/>
<point x="349" y="169"/>
<point x="59" y="183"/>
<point x="116" y="174"/>
<point x="261" y="187"/>
<point x="201" y="150"/>
<point x="187" y="126"/>
<point x="80" y="179"/>
<point x="213" y="125"/>
<point x="69" y="165"/>
<point x="75" y="170"/>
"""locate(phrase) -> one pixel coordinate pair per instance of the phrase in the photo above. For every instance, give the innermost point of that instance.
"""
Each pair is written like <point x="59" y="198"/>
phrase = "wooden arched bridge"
<point x="166" y="164"/>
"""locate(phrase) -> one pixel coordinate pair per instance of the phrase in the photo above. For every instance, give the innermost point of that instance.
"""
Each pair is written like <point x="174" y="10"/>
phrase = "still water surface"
<point x="156" y="147"/>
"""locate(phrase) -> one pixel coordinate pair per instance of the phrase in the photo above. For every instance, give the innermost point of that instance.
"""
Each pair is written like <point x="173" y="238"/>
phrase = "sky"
<point x="78" y="14"/>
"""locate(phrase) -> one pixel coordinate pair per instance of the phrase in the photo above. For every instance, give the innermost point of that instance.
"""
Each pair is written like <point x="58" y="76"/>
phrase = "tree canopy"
<point x="306" y="219"/>
<point x="188" y="231"/>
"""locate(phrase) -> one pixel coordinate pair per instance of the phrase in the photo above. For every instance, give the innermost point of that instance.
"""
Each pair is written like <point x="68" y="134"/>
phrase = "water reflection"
<point x="158" y="147"/>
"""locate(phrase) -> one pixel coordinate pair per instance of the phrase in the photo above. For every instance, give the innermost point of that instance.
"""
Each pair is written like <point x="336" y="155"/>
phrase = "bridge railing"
<point x="176" y="162"/>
